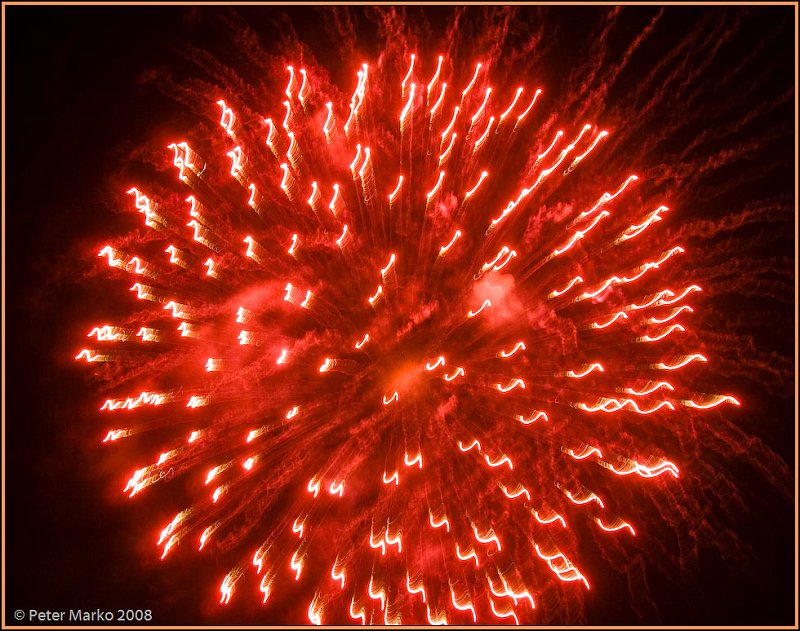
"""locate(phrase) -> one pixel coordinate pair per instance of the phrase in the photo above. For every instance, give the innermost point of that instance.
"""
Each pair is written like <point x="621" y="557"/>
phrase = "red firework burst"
<point x="387" y="365"/>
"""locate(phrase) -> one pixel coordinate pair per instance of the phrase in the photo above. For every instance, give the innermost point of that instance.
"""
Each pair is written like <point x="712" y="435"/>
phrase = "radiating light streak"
<point x="236" y="157"/>
<point x="631" y="466"/>
<point x="395" y="477"/>
<point x="585" y="371"/>
<point x="467" y="555"/>
<point x="329" y="125"/>
<point x="585" y="499"/>
<point x="529" y="108"/>
<point x="458" y="373"/>
<point x="446" y="248"/>
<point x="361" y="614"/>
<point x="393" y="195"/>
<point x="314" y="485"/>
<point x="337" y="571"/>
<point x="577" y="160"/>
<point x="562" y="567"/>
<point x="447" y="130"/>
<point x="514" y="383"/>
<point x="479" y="112"/>
<point x="620" y="315"/>
<point x="92" y="356"/>
<point x="472" y="81"/>
<point x="463" y="604"/>
<point x="292" y="412"/>
<point x="615" y="525"/>
<point x="635" y="230"/>
<point x="440" y="361"/>
<point x="408" y="74"/>
<point x="518" y="491"/>
<point x="559" y="292"/>
<point x="394" y="397"/>
<point x="340" y="240"/>
<point x="585" y="452"/>
<point x="513" y="103"/>
<point x="439" y="101"/>
<point x="532" y="418"/>
<point x="508" y="613"/>
<point x="439" y="521"/>
<point x="711" y="401"/>
<point x="579" y="234"/>
<point x="197" y="401"/>
<point x="374" y="297"/>
<point x="150" y="335"/>
<point x="359" y="345"/>
<point x="649" y="388"/>
<point x="519" y="346"/>
<point x="662" y="334"/>
<point x="502" y="460"/>
<point x="681" y="362"/>
<point x="484" y="135"/>
<point x="336" y="488"/>
<point x="552" y="517"/>
<point x="446" y="153"/>
<point x="389" y="265"/>
<point x="486" y="303"/>
<point x="435" y="77"/>
<point x="436" y="187"/>
<point x="282" y="357"/>
<point x="466" y="448"/>
<point x="416" y="460"/>
<point x="607" y="197"/>
<point x="296" y="564"/>
<point x="404" y="114"/>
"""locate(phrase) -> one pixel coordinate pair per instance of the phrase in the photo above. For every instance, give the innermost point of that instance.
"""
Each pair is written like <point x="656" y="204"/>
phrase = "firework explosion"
<point x="402" y="348"/>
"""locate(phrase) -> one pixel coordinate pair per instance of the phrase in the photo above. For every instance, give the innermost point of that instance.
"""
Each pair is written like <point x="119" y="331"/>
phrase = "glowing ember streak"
<point x="474" y="189"/>
<point x="517" y="492"/>
<point x="585" y="371"/>
<point x="439" y="362"/>
<point x="664" y="333"/>
<point x="388" y="400"/>
<point x="446" y="248"/>
<point x="514" y="383"/>
<point x="534" y="416"/>
<point x="395" y="477"/>
<point x="584" y="499"/>
<point x="615" y="525"/>
<point x="513" y="103"/>
<point x="340" y="240"/>
<point x="374" y="297"/>
<point x="363" y="341"/>
<point x="436" y="187"/>
<point x="416" y="460"/>
<point x="463" y="603"/>
<point x="466" y="448"/>
<point x="579" y="234"/>
<point x="479" y="112"/>
<point x="559" y="292"/>
<point x="458" y="373"/>
<point x="486" y="304"/>
<point x="506" y="613"/>
<point x="681" y="362"/>
<point x="519" y="346"/>
<point x="711" y="401"/>
<point x="552" y="517"/>
<point x="502" y="460"/>
<point x="337" y="571"/>
<point x="467" y="555"/>
<point x="620" y="315"/>
<point x="530" y="106"/>
<point x="388" y="266"/>
<point x="393" y="195"/>
<point x="584" y="452"/>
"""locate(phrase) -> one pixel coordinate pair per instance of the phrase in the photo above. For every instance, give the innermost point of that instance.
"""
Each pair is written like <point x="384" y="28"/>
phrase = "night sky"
<point x="84" y="95"/>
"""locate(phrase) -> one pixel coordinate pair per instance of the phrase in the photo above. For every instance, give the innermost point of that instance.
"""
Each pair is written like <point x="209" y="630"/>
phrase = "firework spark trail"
<point x="388" y="362"/>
